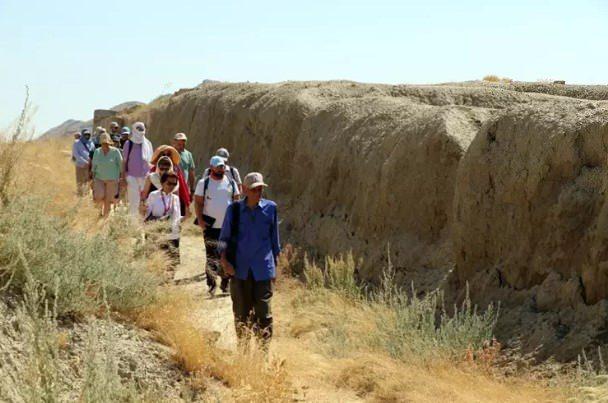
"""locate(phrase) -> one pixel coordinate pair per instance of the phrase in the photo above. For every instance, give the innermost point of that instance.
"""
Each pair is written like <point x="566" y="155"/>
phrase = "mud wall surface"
<point x="500" y="188"/>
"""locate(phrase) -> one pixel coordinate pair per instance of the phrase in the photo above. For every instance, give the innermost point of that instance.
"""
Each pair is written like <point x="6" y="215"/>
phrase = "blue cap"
<point x="217" y="161"/>
<point x="125" y="130"/>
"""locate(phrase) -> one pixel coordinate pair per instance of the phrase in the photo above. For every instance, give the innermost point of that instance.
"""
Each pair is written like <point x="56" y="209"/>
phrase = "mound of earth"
<point x="499" y="187"/>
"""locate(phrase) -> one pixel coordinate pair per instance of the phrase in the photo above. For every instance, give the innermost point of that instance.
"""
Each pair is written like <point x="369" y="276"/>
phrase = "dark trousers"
<point x="251" y="307"/>
<point x="213" y="268"/>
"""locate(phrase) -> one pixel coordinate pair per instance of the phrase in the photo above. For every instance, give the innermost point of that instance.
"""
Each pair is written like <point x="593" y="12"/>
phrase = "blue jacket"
<point x="81" y="150"/>
<point x="258" y="239"/>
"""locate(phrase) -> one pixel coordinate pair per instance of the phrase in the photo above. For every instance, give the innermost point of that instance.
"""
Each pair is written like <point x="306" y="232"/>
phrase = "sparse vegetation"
<point x="77" y="270"/>
<point x="491" y="78"/>
<point x="259" y="379"/>
<point x="56" y="263"/>
<point x="407" y="327"/>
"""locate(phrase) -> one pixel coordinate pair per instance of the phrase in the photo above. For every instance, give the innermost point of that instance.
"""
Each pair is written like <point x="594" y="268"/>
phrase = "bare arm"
<point x="147" y="186"/>
<point x="199" y="204"/>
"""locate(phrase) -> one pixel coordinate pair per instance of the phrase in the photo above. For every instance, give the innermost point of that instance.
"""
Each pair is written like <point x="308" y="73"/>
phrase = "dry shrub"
<point x="250" y="373"/>
<point x="170" y="319"/>
<point x="491" y="78"/>
<point x="77" y="271"/>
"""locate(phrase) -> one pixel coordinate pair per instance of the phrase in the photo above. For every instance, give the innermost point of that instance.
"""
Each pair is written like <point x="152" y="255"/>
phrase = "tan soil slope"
<point x="354" y="166"/>
<point x="507" y="185"/>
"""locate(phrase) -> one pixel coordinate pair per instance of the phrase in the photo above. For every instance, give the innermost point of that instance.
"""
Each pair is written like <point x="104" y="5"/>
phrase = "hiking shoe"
<point x="212" y="289"/>
<point x="224" y="285"/>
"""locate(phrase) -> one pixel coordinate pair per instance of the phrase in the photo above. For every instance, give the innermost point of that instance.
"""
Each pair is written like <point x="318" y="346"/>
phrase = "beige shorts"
<point x="105" y="190"/>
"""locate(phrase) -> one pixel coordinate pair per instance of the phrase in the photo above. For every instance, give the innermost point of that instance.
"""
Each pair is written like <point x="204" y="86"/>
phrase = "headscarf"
<point x="155" y="175"/>
<point x="139" y="137"/>
<point x="182" y="186"/>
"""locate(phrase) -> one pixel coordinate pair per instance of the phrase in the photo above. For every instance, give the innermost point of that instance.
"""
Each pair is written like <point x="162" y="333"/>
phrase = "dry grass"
<point x="326" y="339"/>
<point x="331" y="341"/>
<point x="491" y="78"/>
<point x="251" y="375"/>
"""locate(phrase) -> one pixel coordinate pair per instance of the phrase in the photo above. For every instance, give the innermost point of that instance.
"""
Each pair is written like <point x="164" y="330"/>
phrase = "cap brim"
<point x="257" y="185"/>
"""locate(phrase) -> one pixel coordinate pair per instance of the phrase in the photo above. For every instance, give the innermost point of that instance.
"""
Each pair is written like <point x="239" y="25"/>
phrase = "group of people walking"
<point x="240" y="227"/>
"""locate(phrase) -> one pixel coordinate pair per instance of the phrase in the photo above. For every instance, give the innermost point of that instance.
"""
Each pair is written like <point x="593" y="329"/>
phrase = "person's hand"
<point x="228" y="268"/>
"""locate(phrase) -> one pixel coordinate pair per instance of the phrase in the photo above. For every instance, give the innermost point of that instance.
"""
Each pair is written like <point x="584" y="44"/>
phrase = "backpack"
<point x="234" y="233"/>
<point x="206" y="186"/>
<point x="128" y="153"/>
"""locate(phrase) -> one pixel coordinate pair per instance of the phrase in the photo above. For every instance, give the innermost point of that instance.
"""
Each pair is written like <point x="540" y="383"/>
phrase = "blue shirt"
<point x="258" y="240"/>
<point x="81" y="152"/>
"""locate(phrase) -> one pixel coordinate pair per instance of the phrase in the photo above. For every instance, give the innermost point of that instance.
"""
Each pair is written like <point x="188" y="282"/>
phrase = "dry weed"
<point x="250" y="373"/>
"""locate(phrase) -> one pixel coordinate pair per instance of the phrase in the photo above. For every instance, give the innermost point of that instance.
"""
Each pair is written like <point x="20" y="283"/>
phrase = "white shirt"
<point x="161" y="205"/>
<point x="217" y="198"/>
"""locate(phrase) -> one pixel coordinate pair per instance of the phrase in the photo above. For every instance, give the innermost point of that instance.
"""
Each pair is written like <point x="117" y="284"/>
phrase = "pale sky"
<point x="80" y="55"/>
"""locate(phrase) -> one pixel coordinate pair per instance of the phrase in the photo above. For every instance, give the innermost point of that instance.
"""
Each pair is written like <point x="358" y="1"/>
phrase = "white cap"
<point x="180" y="136"/>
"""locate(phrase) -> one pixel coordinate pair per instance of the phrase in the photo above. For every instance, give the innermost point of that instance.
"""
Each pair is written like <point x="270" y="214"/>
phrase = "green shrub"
<point x="75" y="269"/>
<point x="406" y="326"/>
<point x="338" y="275"/>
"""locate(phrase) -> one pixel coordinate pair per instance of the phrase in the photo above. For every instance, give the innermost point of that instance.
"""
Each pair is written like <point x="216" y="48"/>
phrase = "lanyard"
<point x="167" y="208"/>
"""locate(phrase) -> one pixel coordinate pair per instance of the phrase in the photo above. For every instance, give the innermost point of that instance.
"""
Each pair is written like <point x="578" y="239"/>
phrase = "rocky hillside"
<point x="488" y="185"/>
<point x="70" y="126"/>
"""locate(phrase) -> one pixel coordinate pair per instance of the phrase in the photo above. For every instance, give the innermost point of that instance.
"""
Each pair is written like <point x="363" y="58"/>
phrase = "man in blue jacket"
<point x="249" y="247"/>
<point x="81" y="156"/>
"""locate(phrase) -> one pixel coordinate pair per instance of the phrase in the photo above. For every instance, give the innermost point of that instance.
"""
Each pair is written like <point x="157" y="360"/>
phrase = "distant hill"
<point x="72" y="125"/>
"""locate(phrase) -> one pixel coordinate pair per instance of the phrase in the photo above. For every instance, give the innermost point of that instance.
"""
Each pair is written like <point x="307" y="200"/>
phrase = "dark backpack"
<point x="206" y="186"/>
<point x="234" y="233"/>
<point x="128" y="154"/>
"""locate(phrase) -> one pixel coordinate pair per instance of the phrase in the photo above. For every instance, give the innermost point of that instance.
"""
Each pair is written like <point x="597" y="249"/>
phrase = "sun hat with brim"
<point x="174" y="154"/>
<point x="104" y="138"/>
<point x="180" y="136"/>
<point x="217" y="161"/>
<point x="254" y="180"/>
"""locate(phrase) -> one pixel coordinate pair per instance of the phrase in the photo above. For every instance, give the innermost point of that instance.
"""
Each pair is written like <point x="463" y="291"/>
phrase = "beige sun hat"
<point x="104" y="138"/>
<point x="180" y="136"/>
<point x="165" y="149"/>
<point x="254" y="180"/>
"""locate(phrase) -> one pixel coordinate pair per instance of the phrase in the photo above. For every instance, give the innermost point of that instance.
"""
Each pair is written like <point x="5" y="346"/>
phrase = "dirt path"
<point x="215" y="314"/>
